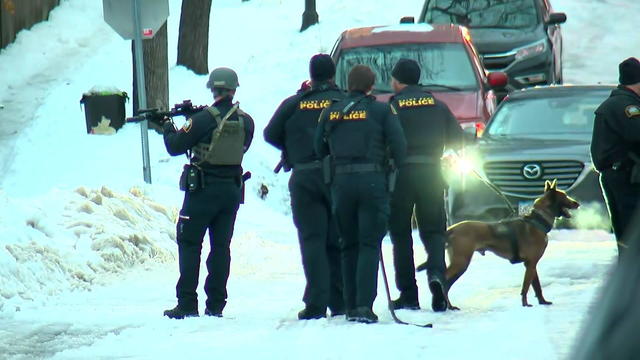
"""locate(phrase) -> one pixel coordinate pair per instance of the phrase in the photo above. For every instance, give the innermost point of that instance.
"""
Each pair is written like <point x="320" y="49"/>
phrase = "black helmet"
<point x="223" y="78"/>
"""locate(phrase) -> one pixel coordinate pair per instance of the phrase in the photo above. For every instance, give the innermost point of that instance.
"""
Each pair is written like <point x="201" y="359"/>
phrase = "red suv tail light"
<point x="480" y="126"/>
<point x="476" y="127"/>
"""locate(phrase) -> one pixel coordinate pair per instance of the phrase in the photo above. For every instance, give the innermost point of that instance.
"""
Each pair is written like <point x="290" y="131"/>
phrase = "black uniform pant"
<point x="318" y="237"/>
<point x="422" y="186"/>
<point x="361" y="206"/>
<point x="212" y="208"/>
<point x="622" y="199"/>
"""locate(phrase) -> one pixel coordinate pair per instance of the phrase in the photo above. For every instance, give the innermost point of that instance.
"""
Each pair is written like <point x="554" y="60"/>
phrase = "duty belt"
<point x="358" y="168"/>
<point x="422" y="159"/>
<point x="308" y="166"/>
<point x="208" y="179"/>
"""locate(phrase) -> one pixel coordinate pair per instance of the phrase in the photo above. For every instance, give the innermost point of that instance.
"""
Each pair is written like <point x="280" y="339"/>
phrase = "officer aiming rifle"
<point x="156" y="116"/>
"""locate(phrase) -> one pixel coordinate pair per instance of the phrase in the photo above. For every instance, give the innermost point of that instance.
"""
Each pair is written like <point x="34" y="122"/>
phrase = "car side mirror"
<point x="557" y="18"/>
<point x="407" y="20"/>
<point x="498" y="80"/>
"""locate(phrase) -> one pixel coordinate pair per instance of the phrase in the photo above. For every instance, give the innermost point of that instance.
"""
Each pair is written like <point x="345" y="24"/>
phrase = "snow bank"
<point x="71" y="240"/>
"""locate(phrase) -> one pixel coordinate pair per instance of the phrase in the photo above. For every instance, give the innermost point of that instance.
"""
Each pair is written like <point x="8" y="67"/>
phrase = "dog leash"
<point x="493" y="187"/>
<point x="393" y="312"/>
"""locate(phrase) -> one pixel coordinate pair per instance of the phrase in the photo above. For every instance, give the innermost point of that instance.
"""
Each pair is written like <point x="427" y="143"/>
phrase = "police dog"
<point x="521" y="239"/>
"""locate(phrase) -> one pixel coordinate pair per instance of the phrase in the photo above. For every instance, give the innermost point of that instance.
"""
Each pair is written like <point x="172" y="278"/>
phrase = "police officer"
<point x="356" y="133"/>
<point x="215" y="139"/>
<point x="615" y="149"/>
<point x="291" y="130"/>
<point x="429" y="126"/>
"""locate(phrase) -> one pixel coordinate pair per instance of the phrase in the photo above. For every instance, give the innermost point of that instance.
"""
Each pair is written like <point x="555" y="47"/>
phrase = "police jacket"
<point x="293" y="125"/>
<point x="199" y="128"/>
<point x="365" y="133"/>
<point x="428" y="123"/>
<point x="616" y="129"/>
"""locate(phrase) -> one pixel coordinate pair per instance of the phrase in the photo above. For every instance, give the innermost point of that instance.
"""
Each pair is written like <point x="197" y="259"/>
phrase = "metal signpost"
<point x="137" y="20"/>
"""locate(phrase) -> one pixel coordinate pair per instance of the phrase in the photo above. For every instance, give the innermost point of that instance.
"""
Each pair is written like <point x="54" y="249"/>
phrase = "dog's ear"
<point x="547" y="185"/>
<point x="554" y="184"/>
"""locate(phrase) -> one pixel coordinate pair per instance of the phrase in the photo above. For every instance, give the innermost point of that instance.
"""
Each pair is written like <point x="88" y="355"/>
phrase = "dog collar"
<point x="539" y="221"/>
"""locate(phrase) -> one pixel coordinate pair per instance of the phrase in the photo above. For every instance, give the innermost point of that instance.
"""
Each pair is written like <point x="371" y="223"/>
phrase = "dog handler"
<point x="356" y="133"/>
<point x="215" y="139"/>
<point x="429" y="126"/>
<point x="291" y="130"/>
<point x="615" y="149"/>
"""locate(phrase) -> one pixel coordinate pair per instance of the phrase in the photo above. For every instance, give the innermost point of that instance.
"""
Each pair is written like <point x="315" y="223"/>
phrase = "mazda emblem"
<point x="532" y="171"/>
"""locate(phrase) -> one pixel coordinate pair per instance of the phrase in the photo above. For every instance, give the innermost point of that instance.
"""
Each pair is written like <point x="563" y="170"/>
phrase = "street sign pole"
<point x="142" y="93"/>
<point x="128" y="18"/>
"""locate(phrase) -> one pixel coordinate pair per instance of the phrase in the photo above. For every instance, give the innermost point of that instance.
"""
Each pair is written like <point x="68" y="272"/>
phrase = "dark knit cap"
<point x="321" y="67"/>
<point x="629" y="71"/>
<point x="406" y="71"/>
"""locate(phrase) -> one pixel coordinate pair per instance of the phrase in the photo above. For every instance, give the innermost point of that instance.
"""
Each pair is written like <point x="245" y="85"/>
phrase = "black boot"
<point x="216" y="313"/>
<point x="311" y="312"/>
<point x="350" y="315"/>
<point x="179" y="313"/>
<point x="438" y="298"/>
<point x="337" y="312"/>
<point x="365" y="315"/>
<point x="405" y="303"/>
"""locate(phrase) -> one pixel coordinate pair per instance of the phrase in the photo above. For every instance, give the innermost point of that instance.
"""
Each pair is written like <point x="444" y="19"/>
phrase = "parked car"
<point x="520" y="37"/>
<point x="536" y="134"/>
<point x="451" y="69"/>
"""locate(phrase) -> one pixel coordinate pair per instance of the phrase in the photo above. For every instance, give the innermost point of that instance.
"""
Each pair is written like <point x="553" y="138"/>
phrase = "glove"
<point x="168" y="127"/>
<point x="306" y="85"/>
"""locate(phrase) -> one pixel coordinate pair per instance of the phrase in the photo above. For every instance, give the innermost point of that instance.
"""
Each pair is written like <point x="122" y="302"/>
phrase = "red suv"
<point x="451" y="68"/>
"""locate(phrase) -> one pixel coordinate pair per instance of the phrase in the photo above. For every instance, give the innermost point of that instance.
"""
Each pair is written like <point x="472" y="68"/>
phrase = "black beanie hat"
<point x="321" y="67"/>
<point x="629" y="71"/>
<point x="406" y="71"/>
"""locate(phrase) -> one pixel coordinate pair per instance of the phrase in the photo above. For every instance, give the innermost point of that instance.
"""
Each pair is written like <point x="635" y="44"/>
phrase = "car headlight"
<point x="530" y="50"/>
<point x="458" y="166"/>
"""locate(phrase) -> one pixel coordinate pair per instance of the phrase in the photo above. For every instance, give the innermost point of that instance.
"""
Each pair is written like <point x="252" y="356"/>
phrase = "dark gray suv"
<point x="519" y="37"/>
<point x="536" y="134"/>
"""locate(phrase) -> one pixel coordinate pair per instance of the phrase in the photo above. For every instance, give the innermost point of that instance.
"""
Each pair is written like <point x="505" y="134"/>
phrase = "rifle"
<point x="246" y="176"/>
<point x="283" y="164"/>
<point x="154" y="115"/>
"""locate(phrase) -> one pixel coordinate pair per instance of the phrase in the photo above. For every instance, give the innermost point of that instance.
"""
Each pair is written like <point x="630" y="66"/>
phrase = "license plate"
<point x="524" y="207"/>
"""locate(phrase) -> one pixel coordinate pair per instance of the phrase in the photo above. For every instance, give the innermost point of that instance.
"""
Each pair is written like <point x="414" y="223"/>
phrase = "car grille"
<point x="494" y="62"/>
<point x="509" y="176"/>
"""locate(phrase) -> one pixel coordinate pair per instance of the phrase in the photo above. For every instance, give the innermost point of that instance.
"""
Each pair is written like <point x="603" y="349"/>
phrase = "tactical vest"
<point x="227" y="140"/>
<point x="350" y="131"/>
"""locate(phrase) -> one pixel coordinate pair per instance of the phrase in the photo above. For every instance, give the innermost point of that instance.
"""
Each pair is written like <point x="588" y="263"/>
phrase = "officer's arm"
<point x="455" y="136"/>
<point x="395" y="135"/>
<point x="274" y="132"/>
<point x="195" y="128"/>
<point x="249" y="127"/>
<point x="320" y="143"/>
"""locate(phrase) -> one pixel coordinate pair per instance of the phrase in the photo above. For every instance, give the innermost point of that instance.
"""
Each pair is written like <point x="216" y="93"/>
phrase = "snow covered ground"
<point x="87" y="249"/>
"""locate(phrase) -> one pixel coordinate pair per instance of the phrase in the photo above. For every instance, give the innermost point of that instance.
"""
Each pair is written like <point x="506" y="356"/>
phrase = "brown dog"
<point x="522" y="239"/>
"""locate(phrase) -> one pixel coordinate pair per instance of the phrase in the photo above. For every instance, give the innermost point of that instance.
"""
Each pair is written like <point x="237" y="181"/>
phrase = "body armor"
<point x="227" y="140"/>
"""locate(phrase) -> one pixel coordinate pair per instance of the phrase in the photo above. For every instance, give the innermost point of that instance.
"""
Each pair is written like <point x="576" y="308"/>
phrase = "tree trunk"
<point x="193" y="37"/>
<point x="309" y="16"/>
<point x="156" y="73"/>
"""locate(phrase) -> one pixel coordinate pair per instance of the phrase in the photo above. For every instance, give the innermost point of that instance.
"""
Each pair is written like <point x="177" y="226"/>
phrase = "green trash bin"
<point x="104" y="110"/>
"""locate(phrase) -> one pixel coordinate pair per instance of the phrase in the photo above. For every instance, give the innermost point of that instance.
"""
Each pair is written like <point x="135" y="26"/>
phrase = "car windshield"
<point x="560" y="115"/>
<point x="482" y="13"/>
<point x="445" y="66"/>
